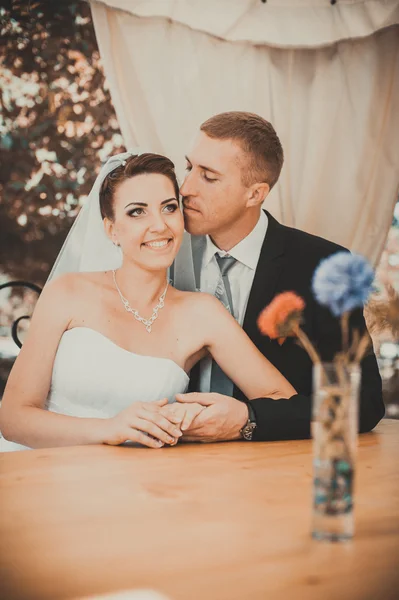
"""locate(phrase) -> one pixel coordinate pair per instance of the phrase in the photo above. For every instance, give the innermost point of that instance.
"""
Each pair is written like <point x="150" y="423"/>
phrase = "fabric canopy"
<point x="279" y="23"/>
<point x="335" y="107"/>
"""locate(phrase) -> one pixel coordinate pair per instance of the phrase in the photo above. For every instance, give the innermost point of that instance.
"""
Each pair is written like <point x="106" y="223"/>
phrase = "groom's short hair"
<point x="257" y="138"/>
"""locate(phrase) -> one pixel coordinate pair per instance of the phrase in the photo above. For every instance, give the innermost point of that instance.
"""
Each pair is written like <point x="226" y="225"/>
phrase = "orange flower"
<point x="282" y="317"/>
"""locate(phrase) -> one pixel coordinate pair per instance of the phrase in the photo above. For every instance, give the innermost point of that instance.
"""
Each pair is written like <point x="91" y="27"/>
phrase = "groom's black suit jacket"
<point x="287" y="262"/>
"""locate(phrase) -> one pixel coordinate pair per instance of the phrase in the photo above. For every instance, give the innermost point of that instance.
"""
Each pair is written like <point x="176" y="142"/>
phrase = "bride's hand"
<point x="186" y="412"/>
<point x="144" y="423"/>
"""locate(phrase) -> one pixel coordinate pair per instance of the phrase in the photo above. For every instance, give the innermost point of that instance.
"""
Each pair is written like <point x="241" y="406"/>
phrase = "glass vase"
<point x="334" y="430"/>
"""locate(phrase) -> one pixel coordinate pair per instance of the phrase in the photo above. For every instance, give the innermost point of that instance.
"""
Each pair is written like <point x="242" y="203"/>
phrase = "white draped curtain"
<point x="326" y="76"/>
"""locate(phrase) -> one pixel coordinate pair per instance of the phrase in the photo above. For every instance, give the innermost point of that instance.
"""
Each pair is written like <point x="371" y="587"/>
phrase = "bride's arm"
<point x="236" y="354"/>
<point x="23" y="417"/>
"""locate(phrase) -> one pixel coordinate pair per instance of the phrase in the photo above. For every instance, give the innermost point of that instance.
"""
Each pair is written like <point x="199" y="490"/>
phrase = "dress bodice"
<point x="94" y="377"/>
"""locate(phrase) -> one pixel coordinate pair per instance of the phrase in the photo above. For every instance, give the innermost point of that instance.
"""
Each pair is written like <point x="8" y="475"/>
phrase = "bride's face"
<point x="148" y="223"/>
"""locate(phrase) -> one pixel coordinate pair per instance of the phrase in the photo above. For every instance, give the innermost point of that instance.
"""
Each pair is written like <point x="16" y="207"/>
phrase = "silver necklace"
<point x="146" y="322"/>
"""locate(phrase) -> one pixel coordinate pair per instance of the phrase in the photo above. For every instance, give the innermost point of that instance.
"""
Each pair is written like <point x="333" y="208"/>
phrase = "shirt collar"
<point x="247" y="251"/>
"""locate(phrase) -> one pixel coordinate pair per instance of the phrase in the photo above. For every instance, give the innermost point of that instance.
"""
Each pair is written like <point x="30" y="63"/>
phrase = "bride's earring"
<point x="118" y="250"/>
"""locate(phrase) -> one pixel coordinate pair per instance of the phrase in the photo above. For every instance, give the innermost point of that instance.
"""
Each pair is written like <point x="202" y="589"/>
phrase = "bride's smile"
<point x="159" y="245"/>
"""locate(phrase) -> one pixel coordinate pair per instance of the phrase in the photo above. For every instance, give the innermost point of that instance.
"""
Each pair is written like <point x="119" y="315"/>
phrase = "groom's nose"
<point x="188" y="188"/>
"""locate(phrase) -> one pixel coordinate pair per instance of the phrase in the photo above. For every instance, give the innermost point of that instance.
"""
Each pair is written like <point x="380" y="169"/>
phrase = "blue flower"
<point x="342" y="282"/>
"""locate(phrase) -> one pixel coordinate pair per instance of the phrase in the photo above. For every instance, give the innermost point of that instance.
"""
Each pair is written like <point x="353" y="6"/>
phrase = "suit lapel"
<point x="182" y="270"/>
<point x="198" y="244"/>
<point x="267" y="273"/>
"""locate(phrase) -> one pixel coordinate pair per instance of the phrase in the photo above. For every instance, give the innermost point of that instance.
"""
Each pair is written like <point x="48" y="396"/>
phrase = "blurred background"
<point x="57" y="126"/>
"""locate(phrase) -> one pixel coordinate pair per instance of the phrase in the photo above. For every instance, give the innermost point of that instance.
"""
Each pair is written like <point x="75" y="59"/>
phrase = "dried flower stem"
<point x="345" y="331"/>
<point x="354" y="345"/>
<point x="308" y="346"/>
<point x="364" y="344"/>
<point x="383" y="314"/>
<point x="340" y="361"/>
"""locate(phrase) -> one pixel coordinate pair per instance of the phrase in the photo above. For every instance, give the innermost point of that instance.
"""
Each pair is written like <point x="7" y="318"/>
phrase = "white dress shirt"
<point x="240" y="277"/>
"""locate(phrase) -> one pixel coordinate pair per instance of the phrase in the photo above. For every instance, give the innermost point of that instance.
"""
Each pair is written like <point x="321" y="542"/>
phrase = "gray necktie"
<point x="219" y="381"/>
<point x="223" y="292"/>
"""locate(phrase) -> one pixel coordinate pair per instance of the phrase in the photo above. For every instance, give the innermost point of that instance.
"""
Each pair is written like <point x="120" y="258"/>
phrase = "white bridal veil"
<point x="87" y="247"/>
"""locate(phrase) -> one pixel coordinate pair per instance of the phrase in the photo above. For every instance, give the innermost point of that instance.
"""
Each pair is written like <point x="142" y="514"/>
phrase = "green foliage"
<point x="57" y="124"/>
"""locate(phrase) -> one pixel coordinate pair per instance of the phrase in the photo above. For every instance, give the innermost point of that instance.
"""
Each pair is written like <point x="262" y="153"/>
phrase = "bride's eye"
<point x="171" y="208"/>
<point x="135" y="212"/>
<point x="188" y="168"/>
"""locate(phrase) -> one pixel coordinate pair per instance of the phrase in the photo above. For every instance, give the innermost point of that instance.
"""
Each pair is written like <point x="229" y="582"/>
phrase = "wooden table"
<point x="219" y="522"/>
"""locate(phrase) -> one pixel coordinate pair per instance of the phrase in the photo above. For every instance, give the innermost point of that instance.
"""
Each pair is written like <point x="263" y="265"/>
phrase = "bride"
<point x="111" y="342"/>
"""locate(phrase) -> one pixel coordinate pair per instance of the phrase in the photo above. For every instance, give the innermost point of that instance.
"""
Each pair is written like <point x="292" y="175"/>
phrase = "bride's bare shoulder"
<point x="203" y="315"/>
<point x="199" y="303"/>
<point x="72" y="283"/>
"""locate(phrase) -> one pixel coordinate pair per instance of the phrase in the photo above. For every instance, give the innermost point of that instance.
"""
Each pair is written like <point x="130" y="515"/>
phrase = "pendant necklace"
<point x="146" y="322"/>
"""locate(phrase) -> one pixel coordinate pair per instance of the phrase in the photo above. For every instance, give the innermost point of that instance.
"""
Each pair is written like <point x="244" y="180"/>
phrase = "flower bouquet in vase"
<point x="341" y="282"/>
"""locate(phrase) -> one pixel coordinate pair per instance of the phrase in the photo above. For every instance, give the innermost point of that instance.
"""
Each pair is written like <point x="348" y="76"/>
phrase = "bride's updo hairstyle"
<point x="134" y="165"/>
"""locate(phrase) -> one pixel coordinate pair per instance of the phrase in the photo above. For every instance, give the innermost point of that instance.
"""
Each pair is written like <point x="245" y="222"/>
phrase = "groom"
<point x="235" y="161"/>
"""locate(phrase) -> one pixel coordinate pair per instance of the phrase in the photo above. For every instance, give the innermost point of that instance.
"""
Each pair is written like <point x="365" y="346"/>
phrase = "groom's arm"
<point x="289" y="419"/>
<point x="285" y="419"/>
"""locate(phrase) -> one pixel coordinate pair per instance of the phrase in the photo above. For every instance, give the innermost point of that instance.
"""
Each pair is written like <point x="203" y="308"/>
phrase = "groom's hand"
<point x="222" y="419"/>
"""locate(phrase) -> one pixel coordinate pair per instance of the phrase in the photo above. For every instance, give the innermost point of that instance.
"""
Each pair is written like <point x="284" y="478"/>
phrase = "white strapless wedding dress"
<point x="94" y="377"/>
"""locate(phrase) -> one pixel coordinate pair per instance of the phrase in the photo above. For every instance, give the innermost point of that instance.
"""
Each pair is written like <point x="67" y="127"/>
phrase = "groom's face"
<point x="214" y="196"/>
